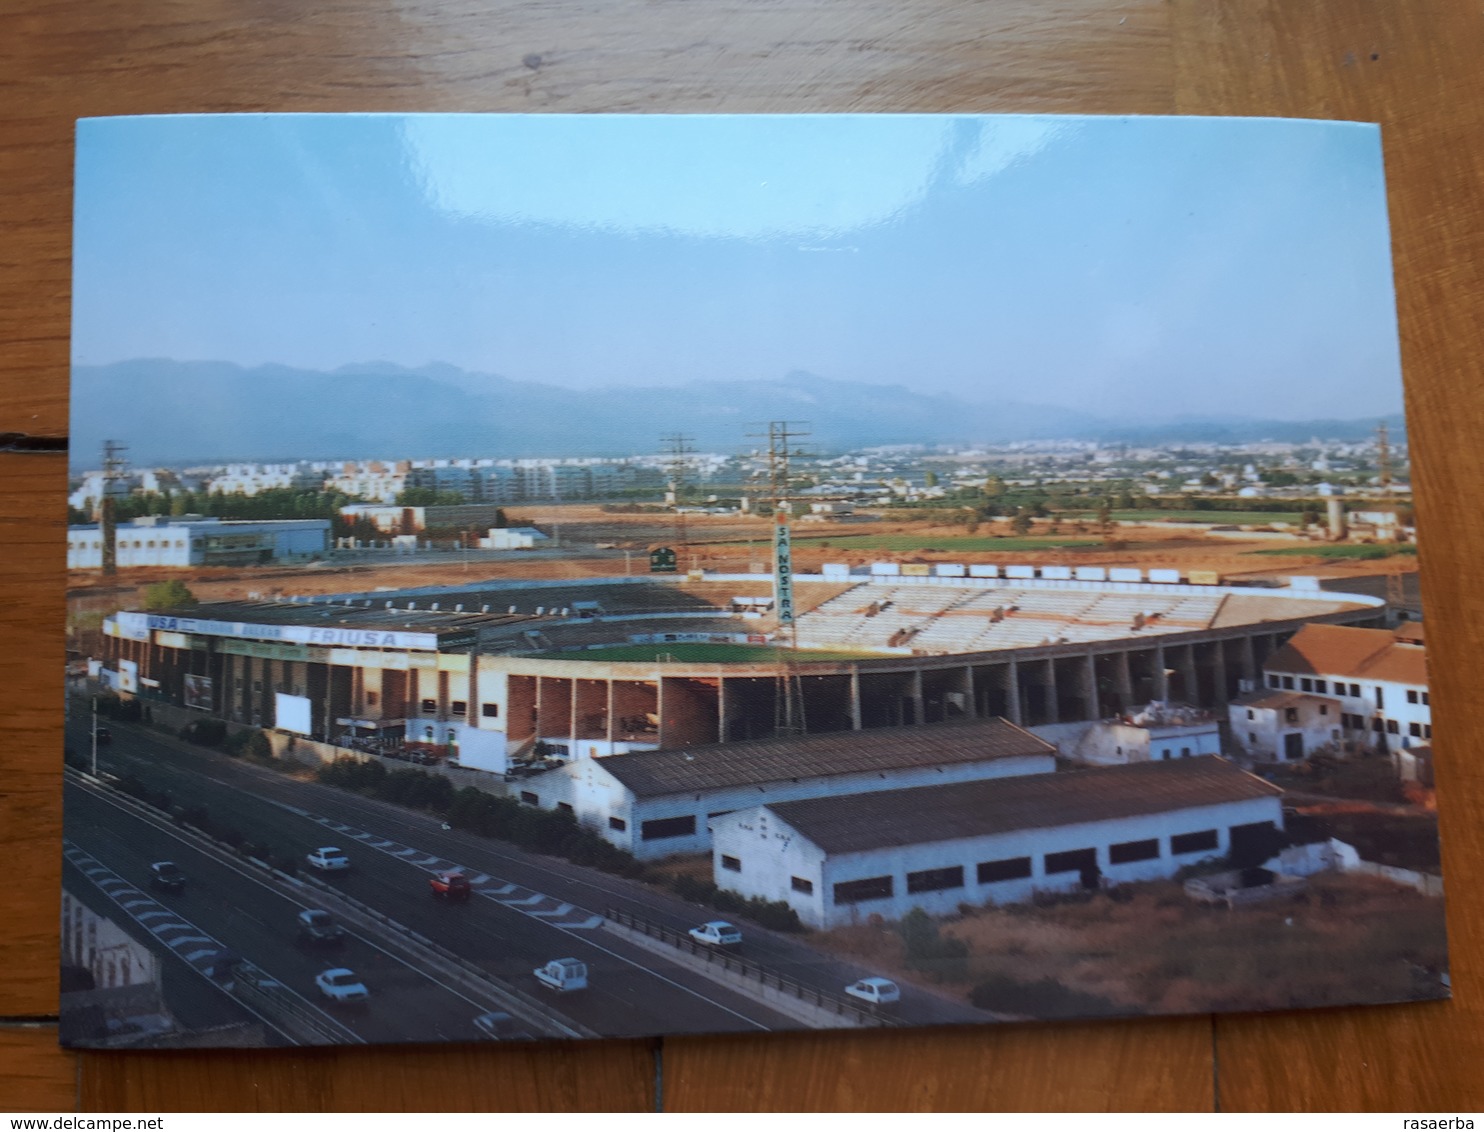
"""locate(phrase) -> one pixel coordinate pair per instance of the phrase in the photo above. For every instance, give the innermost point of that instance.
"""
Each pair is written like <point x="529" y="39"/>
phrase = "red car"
<point x="449" y="886"/>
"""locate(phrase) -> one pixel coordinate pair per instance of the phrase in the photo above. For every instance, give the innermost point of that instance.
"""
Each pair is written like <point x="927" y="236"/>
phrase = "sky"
<point x="1131" y="267"/>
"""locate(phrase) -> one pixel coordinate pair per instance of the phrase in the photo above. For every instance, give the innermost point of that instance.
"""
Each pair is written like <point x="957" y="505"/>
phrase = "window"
<point x="859" y="891"/>
<point x="1290" y="715"/>
<point x="1411" y="695"/>
<point x="1273" y="681"/>
<point x="1427" y="730"/>
<point x="1251" y="714"/>
<point x="459" y="707"/>
<point x="799" y="884"/>
<point x="1425" y="701"/>
<point x="731" y="864"/>
<point x="1288" y="682"/>
<point x="661" y="828"/>
<point x="372" y="698"/>
<point x="490" y="711"/>
<point x="1392" y="727"/>
<point x="1011" y="868"/>
<point x="1252" y="737"/>
<point x="1380" y="698"/>
<point x="1355" y="691"/>
<point x="1072" y="861"/>
<point x="1193" y="842"/>
<point x="529" y="798"/>
<point x="718" y="814"/>
<point x="1127" y="851"/>
<point x="565" y="806"/>
<point x="1321" y="686"/>
<point x="429" y="705"/>
<point x="1185" y="752"/>
<point x="1376" y="724"/>
<point x="1414" y="730"/>
<point x="1323" y="709"/>
<point x="1305" y="684"/>
<point x="618" y="825"/>
<point x="936" y="880"/>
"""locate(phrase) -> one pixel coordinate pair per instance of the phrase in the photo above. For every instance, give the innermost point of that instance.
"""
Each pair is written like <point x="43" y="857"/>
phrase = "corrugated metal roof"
<point x="756" y="761"/>
<point x="891" y="818"/>
<point x="1342" y="650"/>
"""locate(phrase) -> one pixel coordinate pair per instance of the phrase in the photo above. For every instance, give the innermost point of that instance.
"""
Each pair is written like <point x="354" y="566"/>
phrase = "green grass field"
<point x="1216" y="518"/>
<point x="1353" y="551"/>
<point x="945" y="542"/>
<point x="688" y="653"/>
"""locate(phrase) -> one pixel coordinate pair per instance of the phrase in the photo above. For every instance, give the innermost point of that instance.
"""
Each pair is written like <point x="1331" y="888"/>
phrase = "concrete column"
<point x="919" y="715"/>
<point x="1093" y="709"/>
<point x="855" y="698"/>
<point x="572" y="716"/>
<point x="540" y="715"/>
<point x="659" y="709"/>
<point x="1053" y="705"/>
<point x="1012" y="678"/>
<point x="1123" y="680"/>
<point x="971" y="706"/>
<point x="1249" y="660"/>
<point x="608" y="717"/>
<point x="721" y="711"/>
<point x="1161" y="684"/>
<point x="1189" y="674"/>
<point x="1219" y="674"/>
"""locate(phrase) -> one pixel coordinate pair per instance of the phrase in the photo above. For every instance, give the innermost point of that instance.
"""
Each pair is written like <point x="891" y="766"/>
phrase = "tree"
<point x="173" y="594"/>
<point x="930" y="479"/>
<point x="1021" y="524"/>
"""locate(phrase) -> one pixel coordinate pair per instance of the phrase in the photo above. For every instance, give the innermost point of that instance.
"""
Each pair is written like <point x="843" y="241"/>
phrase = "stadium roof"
<point x="758" y="761"/>
<point x="891" y="818"/>
<point x="1341" y="650"/>
<point x="357" y="616"/>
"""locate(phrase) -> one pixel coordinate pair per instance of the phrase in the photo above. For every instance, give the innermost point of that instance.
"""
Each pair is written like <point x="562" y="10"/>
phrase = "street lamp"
<point x="95" y="736"/>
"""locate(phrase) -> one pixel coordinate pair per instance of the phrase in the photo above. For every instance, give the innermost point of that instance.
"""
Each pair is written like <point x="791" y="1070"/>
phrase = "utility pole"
<point x="95" y="736"/>
<point x="788" y="702"/>
<point x="113" y="472"/>
<point x="1383" y="458"/>
<point x="679" y="448"/>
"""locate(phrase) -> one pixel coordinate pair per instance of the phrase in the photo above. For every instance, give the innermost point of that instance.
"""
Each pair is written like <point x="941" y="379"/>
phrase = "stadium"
<point x="500" y="673"/>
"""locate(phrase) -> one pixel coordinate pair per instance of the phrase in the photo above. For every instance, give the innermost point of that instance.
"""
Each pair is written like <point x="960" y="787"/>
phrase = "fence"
<point x="1425" y="883"/>
<point x="745" y="969"/>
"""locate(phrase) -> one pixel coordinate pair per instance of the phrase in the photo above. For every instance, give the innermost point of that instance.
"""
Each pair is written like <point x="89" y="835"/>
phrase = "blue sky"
<point x="1126" y="266"/>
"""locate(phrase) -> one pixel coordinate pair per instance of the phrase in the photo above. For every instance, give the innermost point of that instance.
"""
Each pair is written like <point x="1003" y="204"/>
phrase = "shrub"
<point x="940" y="956"/>
<point x="257" y="746"/>
<point x="1045" y="998"/>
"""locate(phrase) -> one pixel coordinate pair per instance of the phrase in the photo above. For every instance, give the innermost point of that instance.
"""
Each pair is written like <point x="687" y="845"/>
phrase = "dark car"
<point x="449" y="886"/>
<point x="166" y="876"/>
<point x="318" y="928"/>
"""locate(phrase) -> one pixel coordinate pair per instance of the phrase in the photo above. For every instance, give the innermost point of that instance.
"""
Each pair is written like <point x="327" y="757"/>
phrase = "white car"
<point x="878" y="992"/>
<point x="563" y="975"/>
<point x="340" y="984"/>
<point x="328" y="860"/>
<point x="717" y="933"/>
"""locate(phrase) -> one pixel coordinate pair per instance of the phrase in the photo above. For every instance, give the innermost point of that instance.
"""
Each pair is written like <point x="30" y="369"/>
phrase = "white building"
<point x="159" y="541"/>
<point x="512" y="538"/>
<point x="656" y="803"/>
<point x="1379" y="676"/>
<point x="836" y="860"/>
<point x="1284" y="726"/>
<point x="1154" y="733"/>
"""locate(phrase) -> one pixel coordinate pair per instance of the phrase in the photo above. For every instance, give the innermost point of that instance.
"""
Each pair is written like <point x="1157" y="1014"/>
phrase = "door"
<point x="1293" y="745"/>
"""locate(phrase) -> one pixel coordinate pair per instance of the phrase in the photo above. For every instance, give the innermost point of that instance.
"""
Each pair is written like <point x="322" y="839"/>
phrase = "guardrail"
<point x="763" y="976"/>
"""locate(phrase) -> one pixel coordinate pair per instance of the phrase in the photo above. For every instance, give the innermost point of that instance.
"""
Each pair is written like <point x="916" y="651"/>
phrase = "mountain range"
<point x="173" y="412"/>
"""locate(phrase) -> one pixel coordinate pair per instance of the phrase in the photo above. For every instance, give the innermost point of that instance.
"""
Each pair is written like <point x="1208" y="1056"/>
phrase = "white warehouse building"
<point x="836" y="860"/>
<point x="156" y="540"/>
<point x="657" y="803"/>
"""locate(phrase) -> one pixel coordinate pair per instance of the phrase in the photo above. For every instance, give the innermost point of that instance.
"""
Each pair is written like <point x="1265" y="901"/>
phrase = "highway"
<point x="528" y="908"/>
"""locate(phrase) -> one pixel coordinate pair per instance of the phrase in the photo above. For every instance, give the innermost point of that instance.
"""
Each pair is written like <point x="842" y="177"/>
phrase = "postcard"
<point x="546" y="577"/>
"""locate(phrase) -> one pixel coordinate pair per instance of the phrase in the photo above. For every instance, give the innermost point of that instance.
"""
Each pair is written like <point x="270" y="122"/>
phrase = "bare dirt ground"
<point x="598" y="543"/>
<point x="1151" y="950"/>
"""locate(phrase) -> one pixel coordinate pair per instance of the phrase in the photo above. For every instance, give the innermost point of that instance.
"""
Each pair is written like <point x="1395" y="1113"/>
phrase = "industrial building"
<point x="156" y="540"/>
<point x="656" y="803"/>
<point x="506" y="666"/>
<point x="1367" y="687"/>
<point x="1154" y="732"/>
<point x="391" y="519"/>
<point x="838" y="860"/>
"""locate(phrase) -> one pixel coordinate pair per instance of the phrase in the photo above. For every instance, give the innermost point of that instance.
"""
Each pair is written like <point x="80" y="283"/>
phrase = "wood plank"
<point x="1415" y="70"/>
<point x="1153" y="1065"/>
<point x="554" y="1077"/>
<point x="36" y="1074"/>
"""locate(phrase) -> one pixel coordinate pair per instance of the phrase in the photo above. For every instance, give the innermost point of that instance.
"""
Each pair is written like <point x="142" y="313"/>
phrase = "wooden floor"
<point x="1418" y="68"/>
